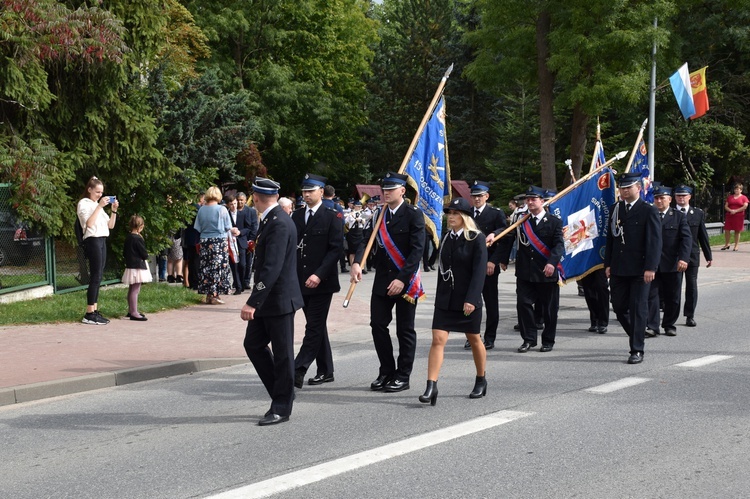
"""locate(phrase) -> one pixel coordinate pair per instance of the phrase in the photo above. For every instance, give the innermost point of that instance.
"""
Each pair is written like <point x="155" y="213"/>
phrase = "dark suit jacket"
<point x="696" y="220"/>
<point x="276" y="290"/>
<point x="468" y="262"/>
<point x="638" y="247"/>
<point x="676" y="240"/>
<point x="319" y="246"/>
<point x="406" y="228"/>
<point x="529" y="262"/>
<point x="247" y="223"/>
<point x="490" y="220"/>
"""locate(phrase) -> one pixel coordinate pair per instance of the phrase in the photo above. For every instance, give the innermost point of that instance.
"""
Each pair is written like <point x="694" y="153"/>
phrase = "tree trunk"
<point x="546" y="113"/>
<point x="578" y="139"/>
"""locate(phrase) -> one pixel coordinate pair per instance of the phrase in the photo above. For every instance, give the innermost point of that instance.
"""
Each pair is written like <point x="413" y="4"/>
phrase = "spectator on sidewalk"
<point x="214" y="224"/>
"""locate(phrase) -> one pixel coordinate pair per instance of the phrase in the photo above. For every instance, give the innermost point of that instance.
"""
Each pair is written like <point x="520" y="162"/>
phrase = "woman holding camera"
<point x="458" y="299"/>
<point x="96" y="225"/>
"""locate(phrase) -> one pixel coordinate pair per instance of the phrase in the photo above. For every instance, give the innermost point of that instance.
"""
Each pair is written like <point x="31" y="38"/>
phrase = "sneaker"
<point x="102" y="319"/>
<point x="93" y="319"/>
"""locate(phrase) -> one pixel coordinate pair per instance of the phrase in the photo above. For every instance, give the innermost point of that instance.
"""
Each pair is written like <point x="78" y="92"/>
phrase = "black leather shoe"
<point x="651" y="333"/>
<point x="271" y="419"/>
<point x="635" y="358"/>
<point x="480" y="388"/>
<point x="430" y="393"/>
<point x="593" y="328"/>
<point x="601" y="329"/>
<point x="546" y="348"/>
<point x="670" y="332"/>
<point x="690" y="322"/>
<point x="319" y="379"/>
<point x="379" y="383"/>
<point x="517" y="327"/>
<point x="467" y="345"/>
<point x="539" y="325"/>
<point x="525" y="347"/>
<point x="396" y="385"/>
<point x="489" y="345"/>
<point x="299" y="380"/>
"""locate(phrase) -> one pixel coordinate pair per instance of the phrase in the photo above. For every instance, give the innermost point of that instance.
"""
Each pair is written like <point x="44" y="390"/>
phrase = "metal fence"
<point x="72" y="271"/>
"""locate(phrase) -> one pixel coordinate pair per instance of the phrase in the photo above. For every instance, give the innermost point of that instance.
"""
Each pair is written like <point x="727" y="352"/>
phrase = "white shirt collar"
<point x="394" y="210"/>
<point x="457" y="234"/>
<point x="480" y="209"/>
<point x="315" y="208"/>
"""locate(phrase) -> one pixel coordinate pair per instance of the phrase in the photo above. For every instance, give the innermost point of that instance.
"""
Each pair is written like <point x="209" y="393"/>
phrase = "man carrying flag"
<point x="398" y="253"/>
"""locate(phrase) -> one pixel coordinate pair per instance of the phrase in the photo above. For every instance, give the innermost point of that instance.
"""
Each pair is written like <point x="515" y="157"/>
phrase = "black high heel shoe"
<point x="430" y="393"/>
<point x="480" y="388"/>
<point x="725" y="247"/>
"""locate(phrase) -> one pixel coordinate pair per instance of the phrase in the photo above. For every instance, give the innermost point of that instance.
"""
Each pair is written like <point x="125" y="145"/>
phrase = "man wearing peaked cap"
<point x="273" y="301"/>
<point x="488" y="220"/>
<point x="631" y="258"/>
<point x="396" y="284"/>
<point x="320" y="235"/>
<point x="677" y="243"/>
<point x="540" y="249"/>
<point x="696" y="220"/>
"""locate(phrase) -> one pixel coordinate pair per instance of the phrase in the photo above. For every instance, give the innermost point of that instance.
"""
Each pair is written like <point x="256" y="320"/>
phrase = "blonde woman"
<point x="458" y="299"/>
<point x="214" y="225"/>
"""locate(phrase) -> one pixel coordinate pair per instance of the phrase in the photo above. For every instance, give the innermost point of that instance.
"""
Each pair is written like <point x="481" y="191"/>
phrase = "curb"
<point x="78" y="384"/>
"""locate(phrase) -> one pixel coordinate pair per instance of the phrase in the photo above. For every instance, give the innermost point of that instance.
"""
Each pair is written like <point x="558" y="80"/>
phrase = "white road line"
<point x="616" y="385"/>
<point x="704" y="361"/>
<point x="320" y="472"/>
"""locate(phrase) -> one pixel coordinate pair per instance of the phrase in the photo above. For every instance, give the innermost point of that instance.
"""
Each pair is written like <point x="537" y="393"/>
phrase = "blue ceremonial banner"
<point x="429" y="172"/>
<point x="584" y="212"/>
<point x="640" y="165"/>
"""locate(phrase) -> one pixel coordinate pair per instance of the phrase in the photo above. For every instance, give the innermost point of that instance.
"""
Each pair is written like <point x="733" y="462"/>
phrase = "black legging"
<point x="96" y="251"/>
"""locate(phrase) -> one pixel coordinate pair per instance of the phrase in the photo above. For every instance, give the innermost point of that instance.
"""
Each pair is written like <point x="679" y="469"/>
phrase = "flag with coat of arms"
<point x="585" y="213"/>
<point x="429" y="171"/>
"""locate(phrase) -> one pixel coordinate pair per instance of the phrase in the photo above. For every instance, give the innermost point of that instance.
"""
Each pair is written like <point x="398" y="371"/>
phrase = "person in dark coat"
<point x="273" y="301"/>
<point x="319" y="241"/>
<point x="462" y="268"/>
<point x="676" y="245"/>
<point x="399" y="247"/>
<point x="696" y="220"/>
<point x="488" y="219"/>
<point x="631" y="258"/>
<point x="247" y="223"/>
<point x="540" y="249"/>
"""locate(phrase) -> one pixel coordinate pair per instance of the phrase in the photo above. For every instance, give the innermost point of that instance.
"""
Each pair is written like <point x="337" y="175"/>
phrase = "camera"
<point x="112" y="199"/>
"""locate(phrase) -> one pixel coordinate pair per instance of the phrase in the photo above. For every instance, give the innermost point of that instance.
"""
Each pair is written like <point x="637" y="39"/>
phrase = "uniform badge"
<point x="260" y="286"/>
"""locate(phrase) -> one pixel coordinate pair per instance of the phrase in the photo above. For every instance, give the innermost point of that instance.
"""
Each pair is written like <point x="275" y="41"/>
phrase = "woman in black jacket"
<point x="458" y="299"/>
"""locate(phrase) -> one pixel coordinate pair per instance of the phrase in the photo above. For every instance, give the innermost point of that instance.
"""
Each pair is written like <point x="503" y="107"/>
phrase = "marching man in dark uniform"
<point x="697" y="222"/>
<point x="458" y="304"/>
<point x="488" y="219"/>
<point x="273" y="301"/>
<point x="400" y="243"/>
<point x="319" y="243"/>
<point x="631" y="258"/>
<point x="540" y="249"/>
<point x="676" y="245"/>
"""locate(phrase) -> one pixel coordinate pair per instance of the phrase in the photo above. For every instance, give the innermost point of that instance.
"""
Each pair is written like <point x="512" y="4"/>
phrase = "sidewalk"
<point x="57" y="359"/>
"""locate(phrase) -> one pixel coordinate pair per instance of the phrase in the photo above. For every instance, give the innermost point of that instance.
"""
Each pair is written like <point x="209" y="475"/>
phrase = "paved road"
<point x="551" y="426"/>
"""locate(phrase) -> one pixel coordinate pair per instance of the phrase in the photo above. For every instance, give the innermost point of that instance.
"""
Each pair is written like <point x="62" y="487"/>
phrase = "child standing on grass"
<point x="136" y="268"/>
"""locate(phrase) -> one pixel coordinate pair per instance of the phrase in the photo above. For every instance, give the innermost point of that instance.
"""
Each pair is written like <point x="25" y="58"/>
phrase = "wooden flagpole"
<point x="404" y="164"/>
<point x="559" y="195"/>
<point x="597" y="146"/>
<point x="635" y="147"/>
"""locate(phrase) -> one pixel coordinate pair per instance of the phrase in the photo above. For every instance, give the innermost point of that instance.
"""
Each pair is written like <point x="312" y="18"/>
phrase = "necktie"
<point x="309" y="215"/>
<point x="534" y="221"/>
<point x="454" y="236"/>
<point x="627" y="207"/>
<point x="476" y="212"/>
<point x="662" y="215"/>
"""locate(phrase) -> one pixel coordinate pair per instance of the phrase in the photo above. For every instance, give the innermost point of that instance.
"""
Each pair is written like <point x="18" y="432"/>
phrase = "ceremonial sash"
<point x="540" y="247"/>
<point x="414" y="291"/>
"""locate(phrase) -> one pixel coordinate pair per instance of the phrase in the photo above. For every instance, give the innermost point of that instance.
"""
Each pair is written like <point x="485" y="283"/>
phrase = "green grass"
<point x="113" y="303"/>
<point x="718" y="240"/>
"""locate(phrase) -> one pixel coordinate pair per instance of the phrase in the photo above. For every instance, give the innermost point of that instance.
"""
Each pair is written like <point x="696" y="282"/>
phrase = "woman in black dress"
<point x="458" y="299"/>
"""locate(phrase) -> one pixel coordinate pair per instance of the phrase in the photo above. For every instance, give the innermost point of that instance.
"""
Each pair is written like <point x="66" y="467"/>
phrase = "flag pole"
<point x="597" y="146"/>
<point x="404" y="164"/>
<point x="635" y="147"/>
<point x="559" y="195"/>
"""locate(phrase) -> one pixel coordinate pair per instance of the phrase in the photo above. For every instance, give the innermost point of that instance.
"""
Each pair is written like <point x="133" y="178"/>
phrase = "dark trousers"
<point x="276" y="370"/>
<point x="546" y="295"/>
<point x="691" y="290"/>
<point x="381" y="315"/>
<point x="491" y="305"/>
<point x="96" y="252"/>
<point x="234" y="267"/>
<point x="596" y="294"/>
<point x="666" y="288"/>
<point x="193" y="261"/>
<point x="241" y="266"/>
<point x="629" y="296"/>
<point x="249" y="258"/>
<point x="315" y="345"/>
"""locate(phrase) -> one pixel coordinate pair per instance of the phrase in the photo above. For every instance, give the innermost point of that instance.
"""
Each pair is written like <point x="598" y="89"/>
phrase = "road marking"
<point x="617" y="385"/>
<point x="320" y="472"/>
<point x="704" y="361"/>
